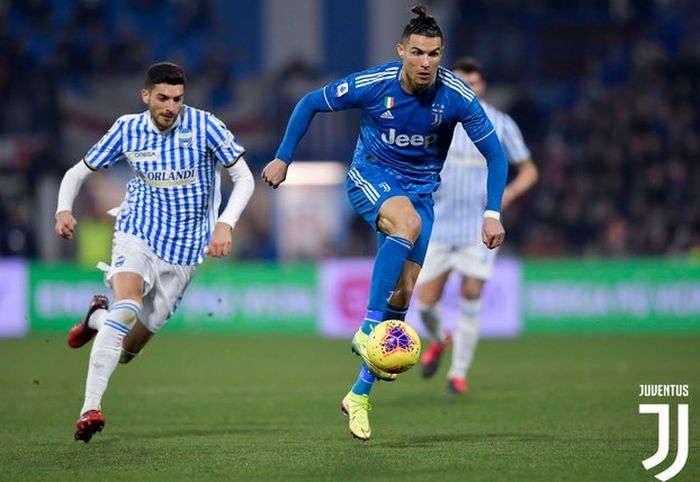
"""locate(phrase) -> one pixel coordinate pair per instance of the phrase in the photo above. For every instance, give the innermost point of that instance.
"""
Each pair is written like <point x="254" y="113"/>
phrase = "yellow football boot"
<point x="357" y="408"/>
<point x="359" y="347"/>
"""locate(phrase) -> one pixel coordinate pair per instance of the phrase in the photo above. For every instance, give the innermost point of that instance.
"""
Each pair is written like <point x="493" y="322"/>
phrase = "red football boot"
<point x="431" y="357"/>
<point x="88" y="425"/>
<point x="81" y="333"/>
<point x="457" y="385"/>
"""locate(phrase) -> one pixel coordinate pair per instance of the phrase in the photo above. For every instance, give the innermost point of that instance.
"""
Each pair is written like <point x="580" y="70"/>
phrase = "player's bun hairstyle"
<point x="468" y="65"/>
<point x="423" y="24"/>
<point x="164" y="73"/>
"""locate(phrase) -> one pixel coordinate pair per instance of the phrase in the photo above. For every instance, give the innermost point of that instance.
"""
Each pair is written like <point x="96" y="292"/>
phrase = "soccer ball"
<point x="393" y="346"/>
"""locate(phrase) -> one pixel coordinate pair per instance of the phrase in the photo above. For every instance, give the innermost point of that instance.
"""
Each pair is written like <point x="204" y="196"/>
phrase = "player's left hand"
<point x="221" y="242"/>
<point x="492" y="233"/>
<point x="275" y="172"/>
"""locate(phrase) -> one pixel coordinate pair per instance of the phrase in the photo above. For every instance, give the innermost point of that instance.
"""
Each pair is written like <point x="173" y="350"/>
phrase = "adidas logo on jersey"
<point x="387" y="115"/>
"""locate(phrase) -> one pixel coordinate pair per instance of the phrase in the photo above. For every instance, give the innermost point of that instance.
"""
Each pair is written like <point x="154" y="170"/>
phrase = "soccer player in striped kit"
<point x="410" y="110"/>
<point x="456" y="245"/>
<point x="165" y="227"/>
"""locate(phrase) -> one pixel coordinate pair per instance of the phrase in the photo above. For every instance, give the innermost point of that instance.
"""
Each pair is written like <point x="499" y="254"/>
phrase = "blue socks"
<point x="364" y="382"/>
<point x="372" y="319"/>
<point x="388" y="266"/>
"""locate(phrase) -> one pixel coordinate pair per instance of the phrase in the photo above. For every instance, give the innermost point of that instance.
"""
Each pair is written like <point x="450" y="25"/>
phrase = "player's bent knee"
<point x="409" y="227"/>
<point x="427" y="297"/>
<point x="471" y="293"/>
<point x="414" y="226"/>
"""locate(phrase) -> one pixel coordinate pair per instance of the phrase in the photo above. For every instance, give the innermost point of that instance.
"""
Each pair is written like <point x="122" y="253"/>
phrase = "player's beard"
<point x="418" y="84"/>
<point x="163" y="122"/>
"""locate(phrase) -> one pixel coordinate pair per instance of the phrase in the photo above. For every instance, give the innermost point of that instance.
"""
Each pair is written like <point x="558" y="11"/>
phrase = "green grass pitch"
<point x="268" y="408"/>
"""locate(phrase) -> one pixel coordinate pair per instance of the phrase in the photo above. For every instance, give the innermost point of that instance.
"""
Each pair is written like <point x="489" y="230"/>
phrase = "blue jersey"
<point x="407" y="135"/>
<point x="173" y="198"/>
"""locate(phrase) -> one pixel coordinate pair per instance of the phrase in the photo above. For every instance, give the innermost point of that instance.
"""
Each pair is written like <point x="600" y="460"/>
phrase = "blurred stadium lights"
<point x="315" y="173"/>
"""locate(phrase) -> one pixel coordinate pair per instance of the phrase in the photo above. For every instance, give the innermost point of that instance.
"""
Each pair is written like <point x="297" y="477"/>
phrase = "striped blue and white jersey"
<point x="461" y="199"/>
<point x="173" y="199"/>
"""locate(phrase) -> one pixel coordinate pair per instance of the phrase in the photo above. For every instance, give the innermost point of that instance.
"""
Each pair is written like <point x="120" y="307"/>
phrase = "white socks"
<point x="107" y="348"/>
<point x="431" y="318"/>
<point x="465" y="337"/>
<point x="97" y="319"/>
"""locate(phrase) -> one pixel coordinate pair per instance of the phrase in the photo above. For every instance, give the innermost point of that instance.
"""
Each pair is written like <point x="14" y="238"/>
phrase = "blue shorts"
<point x="368" y="186"/>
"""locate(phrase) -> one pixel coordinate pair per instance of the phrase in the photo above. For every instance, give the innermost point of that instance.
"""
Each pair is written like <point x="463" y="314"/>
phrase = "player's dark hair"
<point x="423" y="24"/>
<point x="468" y="65"/>
<point x="164" y="73"/>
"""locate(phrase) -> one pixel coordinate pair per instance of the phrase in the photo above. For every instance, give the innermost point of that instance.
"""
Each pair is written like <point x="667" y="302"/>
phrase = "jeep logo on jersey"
<point x="169" y="178"/>
<point x="404" y="140"/>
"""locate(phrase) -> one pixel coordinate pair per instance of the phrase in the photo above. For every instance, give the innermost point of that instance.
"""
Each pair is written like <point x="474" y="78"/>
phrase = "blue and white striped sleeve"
<point x="222" y="143"/>
<point x="513" y="142"/>
<point x="108" y="150"/>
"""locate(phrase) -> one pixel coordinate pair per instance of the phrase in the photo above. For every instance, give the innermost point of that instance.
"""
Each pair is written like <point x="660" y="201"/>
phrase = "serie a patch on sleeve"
<point x="341" y="89"/>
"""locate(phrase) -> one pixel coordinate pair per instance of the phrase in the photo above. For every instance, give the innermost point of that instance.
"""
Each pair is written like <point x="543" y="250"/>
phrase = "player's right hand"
<point x="275" y="172"/>
<point x="492" y="233"/>
<point x="65" y="224"/>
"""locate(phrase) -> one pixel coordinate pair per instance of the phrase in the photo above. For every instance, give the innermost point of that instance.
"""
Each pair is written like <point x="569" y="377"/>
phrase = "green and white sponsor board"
<point x="611" y="295"/>
<point x="655" y="295"/>
<point x="248" y="297"/>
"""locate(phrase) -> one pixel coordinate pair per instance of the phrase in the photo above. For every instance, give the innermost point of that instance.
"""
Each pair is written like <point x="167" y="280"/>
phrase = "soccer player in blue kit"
<point x="410" y="109"/>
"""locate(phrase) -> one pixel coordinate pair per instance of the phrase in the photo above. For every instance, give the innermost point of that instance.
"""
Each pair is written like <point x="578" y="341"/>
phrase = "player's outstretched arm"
<point x="275" y="172"/>
<point x="70" y="186"/>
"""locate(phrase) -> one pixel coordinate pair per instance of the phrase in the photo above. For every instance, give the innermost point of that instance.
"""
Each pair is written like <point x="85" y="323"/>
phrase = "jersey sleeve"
<point x="337" y="95"/>
<point x="513" y="142"/>
<point x="222" y="143"/>
<point x="108" y="150"/>
<point x="342" y="94"/>
<point x="480" y="130"/>
<point x="475" y="121"/>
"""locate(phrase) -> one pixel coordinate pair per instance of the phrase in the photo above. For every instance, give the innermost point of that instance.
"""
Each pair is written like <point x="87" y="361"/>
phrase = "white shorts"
<point x="164" y="283"/>
<point x="474" y="261"/>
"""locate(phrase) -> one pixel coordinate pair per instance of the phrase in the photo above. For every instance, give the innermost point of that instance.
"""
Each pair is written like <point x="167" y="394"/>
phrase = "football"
<point x="393" y="346"/>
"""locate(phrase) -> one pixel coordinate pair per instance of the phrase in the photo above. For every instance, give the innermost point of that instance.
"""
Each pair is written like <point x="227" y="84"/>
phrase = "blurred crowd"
<point x="621" y="168"/>
<point x="607" y="94"/>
